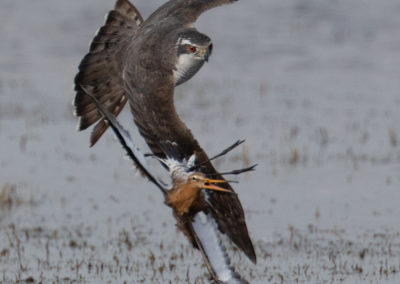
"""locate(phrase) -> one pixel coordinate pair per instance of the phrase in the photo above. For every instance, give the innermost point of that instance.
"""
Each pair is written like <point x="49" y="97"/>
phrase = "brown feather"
<point x="101" y="69"/>
<point x="126" y="8"/>
<point x="156" y="117"/>
<point x="148" y="84"/>
<point x="85" y="106"/>
<point x="102" y="125"/>
<point x="188" y="11"/>
<point x="88" y="119"/>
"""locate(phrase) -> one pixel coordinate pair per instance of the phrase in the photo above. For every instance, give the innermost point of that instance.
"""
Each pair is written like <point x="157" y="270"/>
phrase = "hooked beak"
<point x="206" y="52"/>
<point x="208" y="184"/>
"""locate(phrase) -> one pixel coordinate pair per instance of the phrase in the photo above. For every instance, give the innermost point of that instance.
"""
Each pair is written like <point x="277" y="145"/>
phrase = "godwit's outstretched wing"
<point x="102" y="68"/>
<point x="206" y="235"/>
<point x="124" y="138"/>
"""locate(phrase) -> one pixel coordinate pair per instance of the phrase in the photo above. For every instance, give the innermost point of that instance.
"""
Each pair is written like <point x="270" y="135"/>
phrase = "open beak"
<point x="208" y="184"/>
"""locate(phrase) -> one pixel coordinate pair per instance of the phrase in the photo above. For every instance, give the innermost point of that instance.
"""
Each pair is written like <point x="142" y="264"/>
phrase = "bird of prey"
<point x="141" y="61"/>
<point x="187" y="196"/>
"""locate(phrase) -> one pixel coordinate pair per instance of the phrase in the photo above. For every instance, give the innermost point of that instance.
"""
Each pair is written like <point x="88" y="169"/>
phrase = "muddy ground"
<point x="312" y="85"/>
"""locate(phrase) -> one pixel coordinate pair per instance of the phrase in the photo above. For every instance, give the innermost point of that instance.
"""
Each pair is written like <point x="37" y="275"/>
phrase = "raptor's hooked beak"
<point x="208" y="184"/>
<point x="205" y="52"/>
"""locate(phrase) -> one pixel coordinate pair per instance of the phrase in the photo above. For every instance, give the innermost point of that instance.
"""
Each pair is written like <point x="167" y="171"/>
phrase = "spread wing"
<point x="102" y="68"/>
<point x="186" y="11"/>
<point x="206" y="235"/>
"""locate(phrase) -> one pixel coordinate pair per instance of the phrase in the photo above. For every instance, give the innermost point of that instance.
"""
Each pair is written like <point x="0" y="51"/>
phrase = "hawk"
<point x="140" y="62"/>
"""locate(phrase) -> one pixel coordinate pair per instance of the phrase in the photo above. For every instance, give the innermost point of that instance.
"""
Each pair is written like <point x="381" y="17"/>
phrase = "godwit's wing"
<point x="125" y="139"/>
<point x="206" y="235"/>
<point x="102" y="68"/>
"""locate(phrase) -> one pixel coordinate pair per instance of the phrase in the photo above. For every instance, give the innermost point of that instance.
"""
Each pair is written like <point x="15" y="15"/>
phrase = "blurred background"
<point x="313" y="87"/>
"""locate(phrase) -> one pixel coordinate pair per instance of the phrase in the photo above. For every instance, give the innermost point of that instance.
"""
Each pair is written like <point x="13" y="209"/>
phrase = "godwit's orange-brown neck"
<point x="185" y="196"/>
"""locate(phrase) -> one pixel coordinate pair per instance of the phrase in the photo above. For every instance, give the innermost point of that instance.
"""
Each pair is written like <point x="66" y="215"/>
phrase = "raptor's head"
<point x="192" y="50"/>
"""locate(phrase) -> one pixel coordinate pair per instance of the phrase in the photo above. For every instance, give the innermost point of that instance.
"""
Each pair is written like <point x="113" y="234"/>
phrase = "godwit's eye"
<point x="191" y="49"/>
<point x="194" y="178"/>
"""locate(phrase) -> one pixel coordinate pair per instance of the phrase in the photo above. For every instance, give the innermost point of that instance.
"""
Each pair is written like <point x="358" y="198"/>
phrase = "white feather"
<point x="179" y="170"/>
<point x="185" y="62"/>
<point x="207" y="233"/>
<point x="128" y="140"/>
<point x="183" y="41"/>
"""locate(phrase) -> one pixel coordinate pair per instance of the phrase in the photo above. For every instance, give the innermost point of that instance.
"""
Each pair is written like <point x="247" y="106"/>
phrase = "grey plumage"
<point x="143" y="51"/>
<point x="134" y="60"/>
<point x="191" y="57"/>
<point x="102" y="68"/>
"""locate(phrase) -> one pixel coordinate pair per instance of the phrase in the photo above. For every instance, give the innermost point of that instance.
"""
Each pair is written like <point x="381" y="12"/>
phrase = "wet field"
<point x="313" y="87"/>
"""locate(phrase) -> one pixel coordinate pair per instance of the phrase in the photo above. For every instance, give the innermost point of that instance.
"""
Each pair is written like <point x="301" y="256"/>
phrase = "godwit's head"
<point x="200" y="181"/>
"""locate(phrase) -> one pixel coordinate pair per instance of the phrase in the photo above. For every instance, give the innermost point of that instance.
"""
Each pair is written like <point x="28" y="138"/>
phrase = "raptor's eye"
<point x="194" y="178"/>
<point x="191" y="49"/>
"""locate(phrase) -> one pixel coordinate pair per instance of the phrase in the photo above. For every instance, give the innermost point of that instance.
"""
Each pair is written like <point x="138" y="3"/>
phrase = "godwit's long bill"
<point x="187" y="198"/>
<point x="141" y="61"/>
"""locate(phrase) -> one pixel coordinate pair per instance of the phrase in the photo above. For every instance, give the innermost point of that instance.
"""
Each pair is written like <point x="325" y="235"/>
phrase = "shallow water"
<point x="313" y="87"/>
